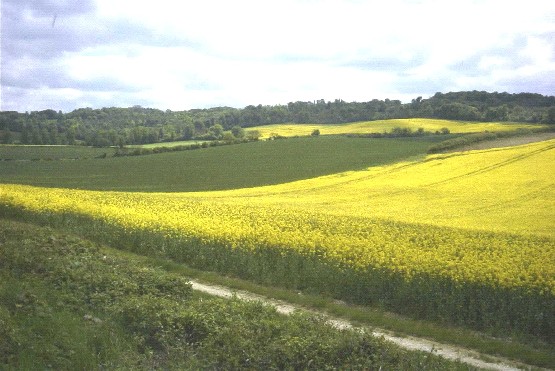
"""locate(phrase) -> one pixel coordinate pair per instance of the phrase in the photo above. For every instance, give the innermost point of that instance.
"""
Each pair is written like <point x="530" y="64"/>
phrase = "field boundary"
<point x="450" y="352"/>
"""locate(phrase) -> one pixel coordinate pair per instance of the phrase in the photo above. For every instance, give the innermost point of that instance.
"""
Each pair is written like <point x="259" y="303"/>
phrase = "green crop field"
<point x="167" y="144"/>
<point x="226" y="167"/>
<point x="461" y="240"/>
<point x="21" y="152"/>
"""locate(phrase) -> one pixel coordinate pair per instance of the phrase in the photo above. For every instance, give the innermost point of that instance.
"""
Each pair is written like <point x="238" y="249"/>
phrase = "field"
<point x="465" y="238"/>
<point x="227" y="167"/>
<point x="445" y="227"/>
<point x="167" y="144"/>
<point x="33" y="153"/>
<point x="381" y="126"/>
<point x="67" y="303"/>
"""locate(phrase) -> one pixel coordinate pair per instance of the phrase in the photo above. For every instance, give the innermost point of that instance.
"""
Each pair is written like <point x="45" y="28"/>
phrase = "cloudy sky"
<point x="178" y="55"/>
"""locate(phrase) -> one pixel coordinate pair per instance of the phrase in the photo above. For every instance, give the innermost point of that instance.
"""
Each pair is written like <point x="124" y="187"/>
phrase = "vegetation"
<point x="461" y="141"/>
<point x="425" y="238"/>
<point x="357" y="212"/>
<point x="35" y="153"/>
<point x="224" y="167"/>
<point x="67" y="303"/>
<point x="138" y="125"/>
<point x="397" y="127"/>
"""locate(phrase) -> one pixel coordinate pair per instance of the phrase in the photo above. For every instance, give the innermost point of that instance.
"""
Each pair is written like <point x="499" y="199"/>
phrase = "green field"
<point x="21" y="152"/>
<point x="167" y="144"/>
<point x="48" y="294"/>
<point x="216" y="168"/>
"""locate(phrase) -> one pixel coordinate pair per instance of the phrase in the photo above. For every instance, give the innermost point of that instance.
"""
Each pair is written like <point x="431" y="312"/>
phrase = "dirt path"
<point x="411" y="343"/>
<point x="506" y="142"/>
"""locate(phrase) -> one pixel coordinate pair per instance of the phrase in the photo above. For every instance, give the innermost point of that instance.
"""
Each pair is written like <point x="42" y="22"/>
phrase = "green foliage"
<point x="494" y="310"/>
<point x="247" y="165"/>
<point x="138" y="125"/>
<point x="253" y="134"/>
<point x="65" y="303"/>
<point x="400" y="132"/>
<point x="458" y="111"/>
<point x="36" y="153"/>
<point x="238" y="132"/>
<point x="550" y="116"/>
<point x="467" y="139"/>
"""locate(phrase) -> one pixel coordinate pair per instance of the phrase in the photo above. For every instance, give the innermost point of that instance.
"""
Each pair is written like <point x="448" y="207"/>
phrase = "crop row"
<point x="323" y="235"/>
<point x="482" y="279"/>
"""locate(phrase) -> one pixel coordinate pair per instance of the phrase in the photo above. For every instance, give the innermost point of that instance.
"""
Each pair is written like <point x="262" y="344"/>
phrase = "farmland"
<point x="454" y="220"/>
<point x="381" y="126"/>
<point x="464" y="238"/>
<point x="35" y="153"/>
<point x="227" y="167"/>
<point x="68" y="303"/>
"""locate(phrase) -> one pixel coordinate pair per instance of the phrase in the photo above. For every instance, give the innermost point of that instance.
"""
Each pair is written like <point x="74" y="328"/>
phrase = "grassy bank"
<point x="68" y="303"/>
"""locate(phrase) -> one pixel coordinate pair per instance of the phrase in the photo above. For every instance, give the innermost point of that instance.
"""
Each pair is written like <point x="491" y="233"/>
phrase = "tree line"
<point x="137" y="125"/>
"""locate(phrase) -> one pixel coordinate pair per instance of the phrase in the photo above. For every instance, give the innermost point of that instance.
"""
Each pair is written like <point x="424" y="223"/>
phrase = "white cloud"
<point x="182" y="55"/>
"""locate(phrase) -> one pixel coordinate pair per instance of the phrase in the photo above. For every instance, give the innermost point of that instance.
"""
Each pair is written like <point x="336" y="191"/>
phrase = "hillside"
<point x="482" y="218"/>
<point x="226" y="167"/>
<point x="67" y="303"/>
<point x="383" y="126"/>
<point x="117" y="126"/>
<point x="458" y="239"/>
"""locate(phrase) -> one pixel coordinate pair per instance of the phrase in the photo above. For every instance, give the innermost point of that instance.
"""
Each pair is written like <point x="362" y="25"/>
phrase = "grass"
<point x="167" y="144"/>
<point x="67" y="303"/>
<point x="227" y="167"/>
<point x="529" y="352"/>
<point x="33" y="153"/>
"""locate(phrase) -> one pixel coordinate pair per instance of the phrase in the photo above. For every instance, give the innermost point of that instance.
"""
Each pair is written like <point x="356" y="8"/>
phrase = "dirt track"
<point x="411" y="343"/>
<point x="467" y="356"/>
<point x="506" y="142"/>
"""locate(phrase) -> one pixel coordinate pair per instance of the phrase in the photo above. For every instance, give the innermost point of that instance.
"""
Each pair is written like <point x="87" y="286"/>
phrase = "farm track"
<point x="451" y="352"/>
<point x="505" y="142"/>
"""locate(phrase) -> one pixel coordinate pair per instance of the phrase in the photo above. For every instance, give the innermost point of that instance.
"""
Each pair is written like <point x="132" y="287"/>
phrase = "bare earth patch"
<point x="506" y="142"/>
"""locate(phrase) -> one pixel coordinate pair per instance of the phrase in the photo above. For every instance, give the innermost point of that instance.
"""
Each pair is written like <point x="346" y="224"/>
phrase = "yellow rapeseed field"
<point x="381" y="126"/>
<point x="481" y="216"/>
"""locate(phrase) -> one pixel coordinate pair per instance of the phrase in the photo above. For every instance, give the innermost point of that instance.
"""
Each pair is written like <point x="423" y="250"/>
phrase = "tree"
<point x="238" y="132"/>
<point x="25" y="135"/>
<point x="458" y="111"/>
<point x="315" y="132"/>
<point x="7" y="138"/>
<point x="188" y="132"/>
<point x="550" y="116"/>
<point x="253" y="135"/>
<point x="497" y="113"/>
<point x="228" y="137"/>
<point x="216" y="131"/>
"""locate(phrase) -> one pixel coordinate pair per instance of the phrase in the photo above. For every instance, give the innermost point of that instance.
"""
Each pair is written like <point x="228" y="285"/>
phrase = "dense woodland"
<point x="137" y="125"/>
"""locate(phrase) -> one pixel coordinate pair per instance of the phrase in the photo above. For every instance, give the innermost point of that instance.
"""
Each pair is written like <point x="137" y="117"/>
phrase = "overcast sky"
<point x="178" y="55"/>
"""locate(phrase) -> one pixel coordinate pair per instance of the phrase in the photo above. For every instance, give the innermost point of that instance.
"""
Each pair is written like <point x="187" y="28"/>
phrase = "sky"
<point x="180" y="55"/>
